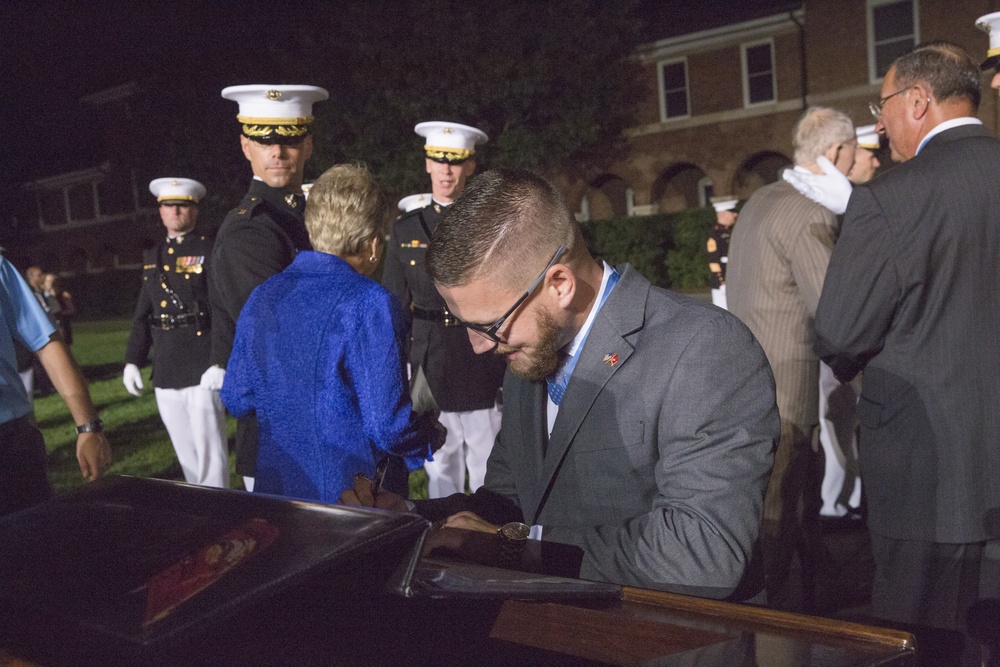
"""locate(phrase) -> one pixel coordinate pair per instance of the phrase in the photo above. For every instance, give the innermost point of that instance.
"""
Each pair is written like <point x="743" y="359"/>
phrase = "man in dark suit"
<point x="261" y="236"/>
<point x="638" y="424"/>
<point x="447" y="374"/>
<point x="908" y="300"/>
<point x="173" y="317"/>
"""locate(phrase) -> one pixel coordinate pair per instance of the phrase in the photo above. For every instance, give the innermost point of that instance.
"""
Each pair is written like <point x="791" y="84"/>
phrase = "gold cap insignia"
<point x="273" y="94"/>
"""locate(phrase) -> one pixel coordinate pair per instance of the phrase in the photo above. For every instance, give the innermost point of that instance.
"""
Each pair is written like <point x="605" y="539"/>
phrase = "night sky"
<point x="54" y="53"/>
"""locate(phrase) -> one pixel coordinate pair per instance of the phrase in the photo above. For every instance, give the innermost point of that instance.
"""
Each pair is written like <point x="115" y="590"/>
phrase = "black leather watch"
<point x="513" y="535"/>
<point x="96" y="426"/>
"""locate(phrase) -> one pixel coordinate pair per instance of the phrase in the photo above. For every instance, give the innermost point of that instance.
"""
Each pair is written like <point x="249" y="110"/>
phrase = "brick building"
<point x="722" y="102"/>
<point x="717" y="116"/>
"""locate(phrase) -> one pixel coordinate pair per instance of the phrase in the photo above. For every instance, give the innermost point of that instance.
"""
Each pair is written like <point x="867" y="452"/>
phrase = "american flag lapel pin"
<point x="611" y="359"/>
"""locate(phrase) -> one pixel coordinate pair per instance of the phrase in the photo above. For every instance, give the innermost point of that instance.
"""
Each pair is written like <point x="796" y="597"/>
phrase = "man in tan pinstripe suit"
<point x="778" y="256"/>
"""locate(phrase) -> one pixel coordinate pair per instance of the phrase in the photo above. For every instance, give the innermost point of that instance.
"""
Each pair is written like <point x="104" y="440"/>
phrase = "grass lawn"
<point x="139" y="441"/>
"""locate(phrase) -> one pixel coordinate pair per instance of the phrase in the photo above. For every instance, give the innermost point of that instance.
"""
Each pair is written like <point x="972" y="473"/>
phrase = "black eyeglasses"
<point x="876" y="107"/>
<point x="490" y="332"/>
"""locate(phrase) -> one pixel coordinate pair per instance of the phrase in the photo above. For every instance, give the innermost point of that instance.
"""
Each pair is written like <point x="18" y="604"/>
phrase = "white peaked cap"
<point x="450" y="142"/>
<point x="990" y="24"/>
<point x="407" y="204"/>
<point x="278" y="103"/>
<point x="867" y="137"/>
<point x="177" y="189"/>
<point x="727" y="204"/>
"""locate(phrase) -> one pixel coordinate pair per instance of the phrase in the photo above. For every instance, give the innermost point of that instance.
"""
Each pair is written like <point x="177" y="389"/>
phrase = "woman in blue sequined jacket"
<point x="319" y="354"/>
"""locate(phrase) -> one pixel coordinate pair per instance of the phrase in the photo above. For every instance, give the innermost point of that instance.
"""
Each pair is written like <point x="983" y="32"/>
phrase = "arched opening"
<point x="758" y="170"/>
<point x="679" y="187"/>
<point x="606" y="197"/>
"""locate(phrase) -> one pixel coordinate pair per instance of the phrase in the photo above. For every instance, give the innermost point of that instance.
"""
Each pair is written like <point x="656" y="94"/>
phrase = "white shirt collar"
<point x="947" y="125"/>
<point x="589" y="322"/>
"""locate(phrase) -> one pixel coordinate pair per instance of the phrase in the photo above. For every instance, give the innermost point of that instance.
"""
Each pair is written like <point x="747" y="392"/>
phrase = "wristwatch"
<point x="96" y="426"/>
<point x="513" y="535"/>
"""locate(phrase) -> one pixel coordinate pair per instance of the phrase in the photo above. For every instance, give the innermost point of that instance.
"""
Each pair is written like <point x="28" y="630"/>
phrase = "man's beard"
<point x="544" y="357"/>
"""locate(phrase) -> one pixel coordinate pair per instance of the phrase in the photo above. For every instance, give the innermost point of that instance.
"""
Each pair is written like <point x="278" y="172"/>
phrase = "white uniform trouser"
<point x="719" y="297"/>
<point x="837" y="416"/>
<point x="196" y="422"/>
<point x="469" y="443"/>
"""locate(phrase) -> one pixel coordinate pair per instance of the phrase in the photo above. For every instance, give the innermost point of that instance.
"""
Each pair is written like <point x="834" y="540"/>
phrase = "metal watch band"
<point x="96" y="426"/>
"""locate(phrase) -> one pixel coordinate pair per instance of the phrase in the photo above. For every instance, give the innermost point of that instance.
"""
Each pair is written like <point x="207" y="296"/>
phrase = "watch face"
<point x="515" y="531"/>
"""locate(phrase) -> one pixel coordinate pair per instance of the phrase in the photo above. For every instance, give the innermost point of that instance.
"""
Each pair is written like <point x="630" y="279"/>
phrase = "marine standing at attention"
<point x="447" y="375"/>
<point x="173" y="317"/>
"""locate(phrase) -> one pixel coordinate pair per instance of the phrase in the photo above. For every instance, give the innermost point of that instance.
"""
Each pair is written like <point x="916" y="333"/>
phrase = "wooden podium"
<point x="145" y="572"/>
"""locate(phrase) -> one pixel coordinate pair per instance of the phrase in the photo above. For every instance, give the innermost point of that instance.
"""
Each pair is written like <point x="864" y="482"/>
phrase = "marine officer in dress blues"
<point x="261" y="236"/>
<point x="173" y="318"/>
<point x="447" y="375"/>
<point x="718" y="246"/>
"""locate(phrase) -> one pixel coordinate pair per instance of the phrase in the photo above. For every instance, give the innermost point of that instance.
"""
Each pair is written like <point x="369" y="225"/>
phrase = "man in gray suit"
<point x="777" y="261"/>
<point x="909" y="299"/>
<point x="638" y="425"/>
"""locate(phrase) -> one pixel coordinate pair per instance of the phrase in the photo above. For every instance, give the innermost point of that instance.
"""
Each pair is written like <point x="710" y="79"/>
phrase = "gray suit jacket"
<point x="778" y="255"/>
<point x="658" y="460"/>
<point x="911" y="297"/>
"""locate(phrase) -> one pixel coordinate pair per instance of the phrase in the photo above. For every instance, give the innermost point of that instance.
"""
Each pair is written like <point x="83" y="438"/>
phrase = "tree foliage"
<point x="550" y="82"/>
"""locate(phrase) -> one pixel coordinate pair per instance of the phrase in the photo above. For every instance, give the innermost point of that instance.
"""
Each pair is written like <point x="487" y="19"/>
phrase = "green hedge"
<point x="668" y="249"/>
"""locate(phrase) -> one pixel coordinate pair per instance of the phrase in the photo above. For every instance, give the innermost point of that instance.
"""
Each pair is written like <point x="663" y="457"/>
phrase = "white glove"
<point x="830" y="189"/>
<point x="212" y="378"/>
<point x="132" y="379"/>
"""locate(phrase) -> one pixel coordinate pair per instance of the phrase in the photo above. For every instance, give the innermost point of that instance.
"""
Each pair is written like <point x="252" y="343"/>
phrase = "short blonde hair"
<point x="345" y="210"/>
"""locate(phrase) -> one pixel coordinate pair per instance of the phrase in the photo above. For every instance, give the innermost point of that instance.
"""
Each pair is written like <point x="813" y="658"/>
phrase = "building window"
<point x="892" y="31"/>
<point x="706" y="190"/>
<point x="673" y="90"/>
<point x="758" y="73"/>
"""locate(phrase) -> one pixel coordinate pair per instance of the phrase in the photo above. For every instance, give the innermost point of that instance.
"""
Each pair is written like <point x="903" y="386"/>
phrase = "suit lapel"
<point x="534" y="436"/>
<point x="603" y="354"/>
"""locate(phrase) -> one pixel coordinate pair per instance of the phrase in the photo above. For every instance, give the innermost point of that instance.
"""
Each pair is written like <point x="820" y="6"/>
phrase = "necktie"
<point x="557" y="385"/>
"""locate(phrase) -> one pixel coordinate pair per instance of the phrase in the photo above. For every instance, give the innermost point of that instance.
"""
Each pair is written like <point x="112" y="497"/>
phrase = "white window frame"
<point x="663" y="93"/>
<point x="870" y="6"/>
<point x="746" y="75"/>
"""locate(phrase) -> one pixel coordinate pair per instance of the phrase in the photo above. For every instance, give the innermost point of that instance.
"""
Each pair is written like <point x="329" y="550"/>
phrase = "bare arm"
<point x="92" y="449"/>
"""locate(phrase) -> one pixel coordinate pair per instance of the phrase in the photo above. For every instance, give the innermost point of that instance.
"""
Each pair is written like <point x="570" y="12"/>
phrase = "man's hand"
<point x="830" y="189"/>
<point x="362" y="496"/>
<point x="429" y="420"/>
<point x="466" y="536"/>
<point x="213" y="378"/>
<point x="93" y="454"/>
<point x="470" y="521"/>
<point x="132" y="379"/>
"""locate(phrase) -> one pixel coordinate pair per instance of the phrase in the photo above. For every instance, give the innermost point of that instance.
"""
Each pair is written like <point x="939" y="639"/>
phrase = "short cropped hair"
<point x="818" y="130"/>
<point x="506" y="224"/>
<point x="946" y="68"/>
<point x="345" y="209"/>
